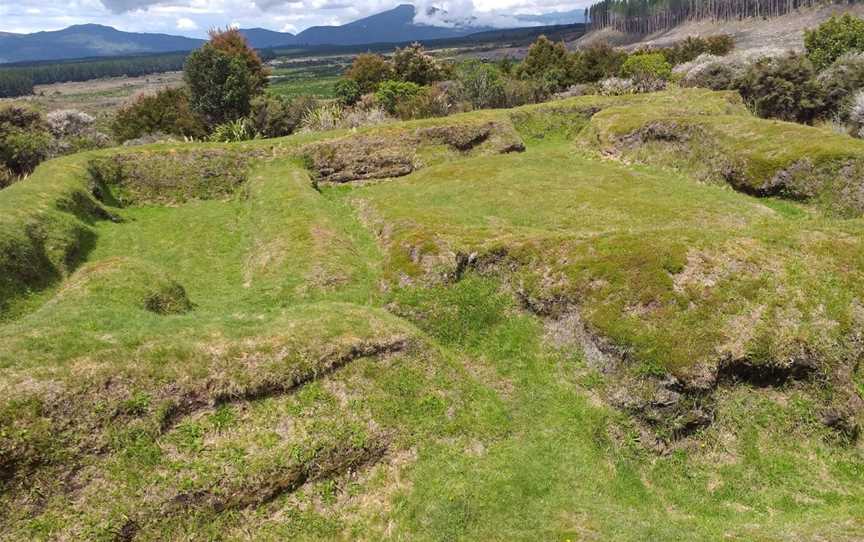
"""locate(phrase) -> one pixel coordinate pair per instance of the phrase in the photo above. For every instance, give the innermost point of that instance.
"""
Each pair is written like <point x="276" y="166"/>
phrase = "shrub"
<point x="21" y="150"/>
<point x="549" y="64"/>
<point x="433" y="101"/>
<point x="69" y="123"/>
<point x="577" y="90"/>
<point x="840" y="81"/>
<point x="234" y="131"/>
<point x="518" y="92"/>
<point x="598" y="62"/>
<point x="413" y="65"/>
<point x="348" y="91"/>
<point x="715" y="73"/>
<point x="615" y="86"/>
<point x="22" y="117"/>
<point x="693" y="47"/>
<point x="391" y="93"/>
<point x="6" y="176"/>
<point x="323" y="118"/>
<point x="369" y="71"/>
<point x="833" y="38"/>
<point x="784" y="88"/>
<point x="359" y="117"/>
<point x="480" y="84"/>
<point x="166" y="112"/>
<point x="856" y="114"/>
<point x="25" y="140"/>
<point x="277" y="116"/>
<point x="646" y="68"/>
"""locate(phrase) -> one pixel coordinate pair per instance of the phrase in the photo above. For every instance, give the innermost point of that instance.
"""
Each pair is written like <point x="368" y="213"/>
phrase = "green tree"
<point x="548" y="63"/>
<point x="414" y="65"/>
<point x="369" y="70"/>
<point x="597" y="62"/>
<point x="223" y="76"/>
<point x="833" y="38"/>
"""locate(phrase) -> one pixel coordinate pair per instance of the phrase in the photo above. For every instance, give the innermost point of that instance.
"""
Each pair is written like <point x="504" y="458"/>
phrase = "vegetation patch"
<point x="380" y="155"/>
<point x="168" y="176"/>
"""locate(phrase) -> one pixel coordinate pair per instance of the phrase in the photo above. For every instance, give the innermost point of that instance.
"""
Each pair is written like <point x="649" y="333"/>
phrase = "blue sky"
<point x="194" y="17"/>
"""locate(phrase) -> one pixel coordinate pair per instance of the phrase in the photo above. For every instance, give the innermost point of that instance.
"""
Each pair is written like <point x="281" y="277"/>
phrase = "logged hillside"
<point x="602" y="318"/>
<point x="777" y="32"/>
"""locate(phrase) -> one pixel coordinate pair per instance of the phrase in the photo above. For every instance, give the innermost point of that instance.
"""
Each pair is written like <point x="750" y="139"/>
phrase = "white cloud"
<point x="185" y="23"/>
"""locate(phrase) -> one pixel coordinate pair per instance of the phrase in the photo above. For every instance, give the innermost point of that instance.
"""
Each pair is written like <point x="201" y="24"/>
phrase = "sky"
<point x="194" y="17"/>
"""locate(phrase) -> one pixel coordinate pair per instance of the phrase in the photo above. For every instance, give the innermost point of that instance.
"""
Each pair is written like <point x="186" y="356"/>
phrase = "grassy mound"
<point x="755" y="156"/>
<point x="448" y="356"/>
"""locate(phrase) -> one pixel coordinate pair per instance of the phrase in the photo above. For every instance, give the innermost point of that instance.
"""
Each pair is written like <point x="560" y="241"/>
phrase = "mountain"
<point x="395" y="25"/>
<point x="92" y="40"/>
<point x="87" y="40"/>
<point x="261" y="38"/>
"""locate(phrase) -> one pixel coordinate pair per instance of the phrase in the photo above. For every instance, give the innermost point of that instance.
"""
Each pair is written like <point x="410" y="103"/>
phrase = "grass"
<point x="316" y="81"/>
<point x="326" y="368"/>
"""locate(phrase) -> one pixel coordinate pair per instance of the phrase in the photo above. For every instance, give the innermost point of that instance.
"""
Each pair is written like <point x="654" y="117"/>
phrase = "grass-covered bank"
<point x="491" y="346"/>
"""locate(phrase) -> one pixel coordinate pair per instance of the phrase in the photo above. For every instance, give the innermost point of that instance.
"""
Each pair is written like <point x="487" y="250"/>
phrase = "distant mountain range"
<point x="393" y="26"/>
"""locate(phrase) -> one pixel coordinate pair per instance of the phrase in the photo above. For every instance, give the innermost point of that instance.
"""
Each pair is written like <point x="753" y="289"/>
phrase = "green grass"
<point x="341" y="375"/>
<point x="315" y="81"/>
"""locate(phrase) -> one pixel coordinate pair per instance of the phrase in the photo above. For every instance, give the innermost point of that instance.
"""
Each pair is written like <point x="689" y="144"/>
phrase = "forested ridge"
<point x="646" y="16"/>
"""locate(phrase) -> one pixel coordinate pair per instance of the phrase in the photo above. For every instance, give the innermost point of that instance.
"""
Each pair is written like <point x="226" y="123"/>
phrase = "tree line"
<point x="19" y="80"/>
<point x="647" y="16"/>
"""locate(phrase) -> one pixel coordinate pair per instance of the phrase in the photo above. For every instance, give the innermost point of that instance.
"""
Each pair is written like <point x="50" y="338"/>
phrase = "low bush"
<point x="480" y="84"/>
<point x="841" y="81"/>
<point x="69" y="123"/>
<point x="348" y="91"/>
<point x="358" y="117"/>
<point x="167" y="112"/>
<point x="598" y="62"/>
<point x="234" y="131"/>
<point x="646" y="68"/>
<point x="391" y="93"/>
<point x="432" y="101"/>
<point x="856" y="114"/>
<point x="784" y="88"/>
<point x="692" y="47"/>
<point x="834" y="38"/>
<point x="323" y="118"/>
<point x="616" y="86"/>
<point x="25" y="140"/>
<point x="519" y="92"/>
<point x="277" y="116"/>
<point x="6" y="176"/>
<point x="712" y="72"/>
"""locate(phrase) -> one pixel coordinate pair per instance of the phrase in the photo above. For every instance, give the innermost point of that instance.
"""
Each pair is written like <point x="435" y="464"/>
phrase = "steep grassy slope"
<point x="523" y="336"/>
